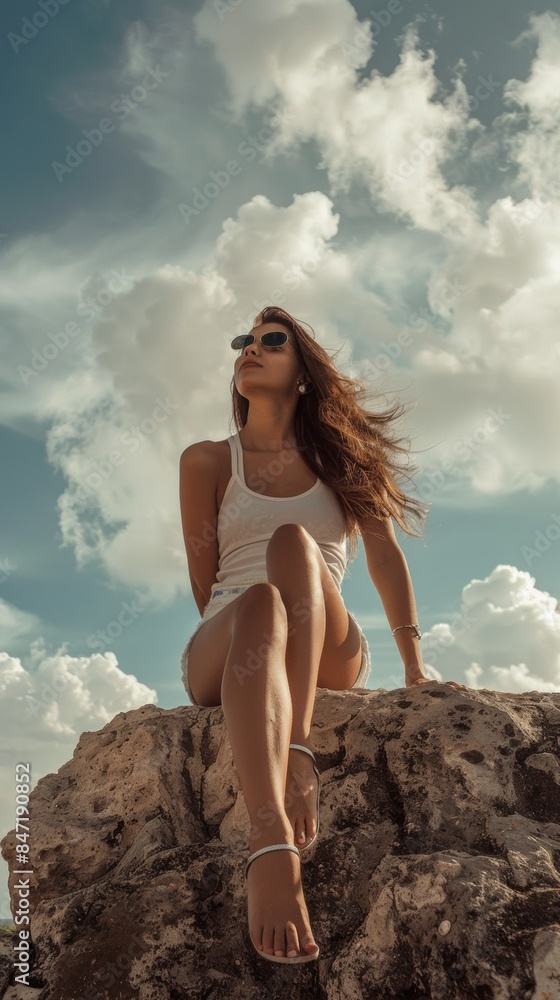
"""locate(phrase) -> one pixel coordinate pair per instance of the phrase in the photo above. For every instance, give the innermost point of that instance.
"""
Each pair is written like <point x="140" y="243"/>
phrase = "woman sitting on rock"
<point x="266" y="513"/>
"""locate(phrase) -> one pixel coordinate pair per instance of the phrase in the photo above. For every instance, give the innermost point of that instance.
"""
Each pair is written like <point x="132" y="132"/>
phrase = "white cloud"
<point x="497" y="290"/>
<point x="153" y="374"/>
<point x="537" y="147"/>
<point x="389" y="132"/>
<point x="45" y="706"/>
<point x="501" y="354"/>
<point x="505" y="636"/>
<point x="55" y="698"/>
<point x="161" y="360"/>
<point x="15" y="623"/>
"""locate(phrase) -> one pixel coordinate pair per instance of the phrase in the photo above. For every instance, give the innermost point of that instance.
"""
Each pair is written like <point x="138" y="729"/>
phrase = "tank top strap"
<point x="233" y="442"/>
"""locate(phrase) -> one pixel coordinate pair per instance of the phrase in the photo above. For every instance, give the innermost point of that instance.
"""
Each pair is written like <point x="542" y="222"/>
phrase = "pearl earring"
<point x="304" y="387"/>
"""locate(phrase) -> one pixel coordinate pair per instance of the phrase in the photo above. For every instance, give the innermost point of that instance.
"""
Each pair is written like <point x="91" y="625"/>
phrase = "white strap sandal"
<point x="273" y="847"/>
<point x="287" y="960"/>
<point x="298" y="746"/>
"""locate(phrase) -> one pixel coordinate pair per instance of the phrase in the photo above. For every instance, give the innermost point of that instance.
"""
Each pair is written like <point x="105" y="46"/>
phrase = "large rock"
<point x="435" y="873"/>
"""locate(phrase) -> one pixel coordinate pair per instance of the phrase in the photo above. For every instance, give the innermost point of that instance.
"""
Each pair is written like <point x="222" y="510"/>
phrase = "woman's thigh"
<point x="341" y="656"/>
<point x="208" y="654"/>
<point x="341" y="653"/>
<point x="211" y="644"/>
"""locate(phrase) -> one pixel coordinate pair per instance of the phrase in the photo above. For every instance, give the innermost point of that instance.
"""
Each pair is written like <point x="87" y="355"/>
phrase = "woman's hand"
<point x="414" y="675"/>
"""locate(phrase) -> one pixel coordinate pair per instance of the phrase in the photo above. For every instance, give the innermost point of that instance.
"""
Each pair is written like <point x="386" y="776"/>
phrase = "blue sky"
<point x="387" y="174"/>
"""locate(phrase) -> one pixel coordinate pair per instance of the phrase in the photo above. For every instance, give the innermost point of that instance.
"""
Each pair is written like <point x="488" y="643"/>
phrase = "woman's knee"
<point x="262" y="600"/>
<point x="286" y="532"/>
<point x="287" y="540"/>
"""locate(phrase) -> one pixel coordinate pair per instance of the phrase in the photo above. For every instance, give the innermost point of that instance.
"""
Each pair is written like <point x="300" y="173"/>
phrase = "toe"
<point x="258" y="939"/>
<point x="279" y="942"/>
<point x="292" y="940"/>
<point x="309" y="946"/>
<point x="300" y="832"/>
<point x="267" y="941"/>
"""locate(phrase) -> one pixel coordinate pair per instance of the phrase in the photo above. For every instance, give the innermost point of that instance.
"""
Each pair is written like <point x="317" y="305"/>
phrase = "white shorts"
<point x="222" y="594"/>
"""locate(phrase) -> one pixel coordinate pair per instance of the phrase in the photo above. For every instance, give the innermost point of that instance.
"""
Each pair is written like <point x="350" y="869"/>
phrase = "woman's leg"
<point x="255" y="697"/>
<point x="237" y="659"/>
<point x="323" y="645"/>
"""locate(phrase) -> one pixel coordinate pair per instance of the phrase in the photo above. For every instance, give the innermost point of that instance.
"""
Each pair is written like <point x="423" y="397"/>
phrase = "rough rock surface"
<point x="436" y="873"/>
<point x="15" y="991"/>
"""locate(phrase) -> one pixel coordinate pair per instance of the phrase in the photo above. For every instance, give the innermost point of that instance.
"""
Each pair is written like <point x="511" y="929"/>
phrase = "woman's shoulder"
<point x="213" y="450"/>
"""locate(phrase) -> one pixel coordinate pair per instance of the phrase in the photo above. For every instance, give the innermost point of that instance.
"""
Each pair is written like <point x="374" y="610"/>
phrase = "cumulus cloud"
<point x="156" y="372"/>
<point x="505" y="636"/>
<point x="153" y="374"/>
<point x="383" y="131"/>
<point x="161" y="360"/>
<point x="499" y="354"/>
<point x="46" y="703"/>
<point x="53" y="699"/>
<point x="485" y="356"/>
<point x="536" y="148"/>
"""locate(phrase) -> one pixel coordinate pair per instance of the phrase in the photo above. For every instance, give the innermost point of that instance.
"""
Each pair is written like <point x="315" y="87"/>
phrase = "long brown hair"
<point x="347" y="446"/>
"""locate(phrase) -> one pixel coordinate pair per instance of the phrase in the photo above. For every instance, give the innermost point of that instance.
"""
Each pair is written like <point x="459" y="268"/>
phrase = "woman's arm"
<point x="388" y="569"/>
<point x="394" y="585"/>
<point x="198" y="479"/>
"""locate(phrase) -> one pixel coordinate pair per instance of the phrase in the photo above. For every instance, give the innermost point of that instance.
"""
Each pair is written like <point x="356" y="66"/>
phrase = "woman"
<point x="307" y="467"/>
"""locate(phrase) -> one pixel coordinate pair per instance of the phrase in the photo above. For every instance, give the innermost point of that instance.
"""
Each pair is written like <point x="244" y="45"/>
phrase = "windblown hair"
<point x="350" y="448"/>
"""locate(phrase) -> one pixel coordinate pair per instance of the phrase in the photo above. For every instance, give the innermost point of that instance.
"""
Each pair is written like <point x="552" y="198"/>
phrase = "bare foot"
<point x="301" y="796"/>
<point x="277" y="912"/>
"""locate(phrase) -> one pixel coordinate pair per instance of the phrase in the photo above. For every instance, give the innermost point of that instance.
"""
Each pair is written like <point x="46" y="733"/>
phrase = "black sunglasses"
<point x="273" y="339"/>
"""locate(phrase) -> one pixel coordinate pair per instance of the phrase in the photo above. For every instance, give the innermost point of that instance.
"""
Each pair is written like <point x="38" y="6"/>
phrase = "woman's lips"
<point x="247" y="363"/>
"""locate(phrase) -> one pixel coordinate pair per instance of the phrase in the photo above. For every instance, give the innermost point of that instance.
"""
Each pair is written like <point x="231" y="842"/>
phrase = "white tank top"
<point x="247" y="519"/>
